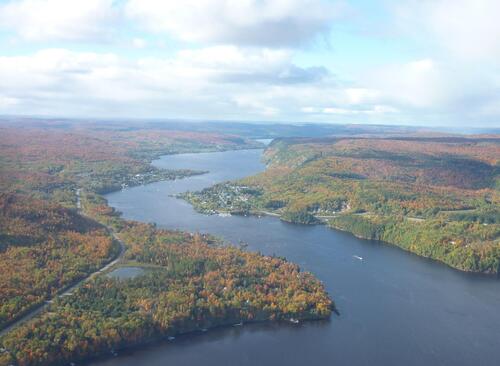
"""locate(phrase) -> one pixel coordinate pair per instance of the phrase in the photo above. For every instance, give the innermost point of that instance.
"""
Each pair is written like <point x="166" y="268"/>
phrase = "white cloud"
<point x="6" y="102"/>
<point x="139" y="42"/>
<point x="244" y="22"/>
<point x="360" y="95"/>
<point x="468" y="30"/>
<point x="428" y="87"/>
<point x="232" y="64"/>
<point x="222" y="81"/>
<point x="249" y="102"/>
<point x="190" y="83"/>
<point x="267" y="23"/>
<point x="373" y="110"/>
<point x="40" y="20"/>
<point x="456" y="77"/>
<point x="232" y="83"/>
<point x="420" y="83"/>
<point x="234" y="58"/>
<point x="243" y="64"/>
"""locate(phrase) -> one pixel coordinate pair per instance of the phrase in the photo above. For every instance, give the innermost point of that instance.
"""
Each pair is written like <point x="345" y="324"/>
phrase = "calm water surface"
<point x="396" y="308"/>
<point x="124" y="273"/>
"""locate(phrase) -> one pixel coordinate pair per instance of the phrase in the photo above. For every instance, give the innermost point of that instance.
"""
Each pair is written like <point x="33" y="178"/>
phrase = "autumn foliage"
<point x="56" y="228"/>
<point x="435" y="196"/>
<point x="191" y="283"/>
<point x="44" y="248"/>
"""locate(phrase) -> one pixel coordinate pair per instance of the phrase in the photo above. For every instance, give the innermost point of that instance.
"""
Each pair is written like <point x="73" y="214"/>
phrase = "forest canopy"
<point x="56" y="229"/>
<point x="435" y="196"/>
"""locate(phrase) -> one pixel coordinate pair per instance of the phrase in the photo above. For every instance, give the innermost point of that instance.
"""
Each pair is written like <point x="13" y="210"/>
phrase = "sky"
<point x="422" y="62"/>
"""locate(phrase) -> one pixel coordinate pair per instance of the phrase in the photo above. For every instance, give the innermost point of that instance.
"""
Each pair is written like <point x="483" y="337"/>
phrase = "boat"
<point x="294" y="321"/>
<point x="358" y="257"/>
<point x="225" y="214"/>
<point x="238" y="324"/>
<point x="171" y="338"/>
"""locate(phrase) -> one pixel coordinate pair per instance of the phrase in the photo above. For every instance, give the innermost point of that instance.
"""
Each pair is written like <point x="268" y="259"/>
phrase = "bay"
<point x="395" y="308"/>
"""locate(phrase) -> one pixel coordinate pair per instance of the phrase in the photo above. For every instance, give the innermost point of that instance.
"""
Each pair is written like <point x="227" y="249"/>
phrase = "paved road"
<point x="34" y="312"/>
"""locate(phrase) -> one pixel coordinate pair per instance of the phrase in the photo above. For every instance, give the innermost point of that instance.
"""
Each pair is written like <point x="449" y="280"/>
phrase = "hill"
<point x="437" y="196"/>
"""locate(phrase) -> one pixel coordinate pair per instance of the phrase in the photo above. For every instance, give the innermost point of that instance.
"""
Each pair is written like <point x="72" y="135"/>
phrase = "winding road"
<point x="68" y="291"/>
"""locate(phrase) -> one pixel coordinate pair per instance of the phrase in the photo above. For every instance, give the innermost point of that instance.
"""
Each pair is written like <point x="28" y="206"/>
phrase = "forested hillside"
<point x="55" y="229"/>
<point x="51" y="163"/>
<point x="190" y="284"/>
<point x="43" y="248"/>
<point x="435" y="196"/>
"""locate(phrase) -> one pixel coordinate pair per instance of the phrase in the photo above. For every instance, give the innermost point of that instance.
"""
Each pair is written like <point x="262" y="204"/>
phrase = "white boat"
<point x="294" y="321"/>
<point x="238" y="325"/>
<point x="224" y="214"/>
<point x="358" y="257"/>
<point x="171" y="338"/>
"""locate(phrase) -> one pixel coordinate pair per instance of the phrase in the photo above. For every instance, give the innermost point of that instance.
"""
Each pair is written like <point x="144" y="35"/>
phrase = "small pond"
<point x="125" y="273"/>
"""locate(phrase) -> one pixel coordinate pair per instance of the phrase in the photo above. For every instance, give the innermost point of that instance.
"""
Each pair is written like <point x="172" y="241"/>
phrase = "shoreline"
<point x="322" y="221"/>
<point x="114" y="262"/>
<point x="165" y="339"/>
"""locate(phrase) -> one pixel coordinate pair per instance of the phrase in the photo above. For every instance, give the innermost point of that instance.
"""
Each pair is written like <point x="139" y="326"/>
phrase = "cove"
<point x="395" y="308"/>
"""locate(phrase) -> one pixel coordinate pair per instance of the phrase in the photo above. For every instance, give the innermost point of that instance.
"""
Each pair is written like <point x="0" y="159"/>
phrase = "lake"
<point x="395" y="308"/>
